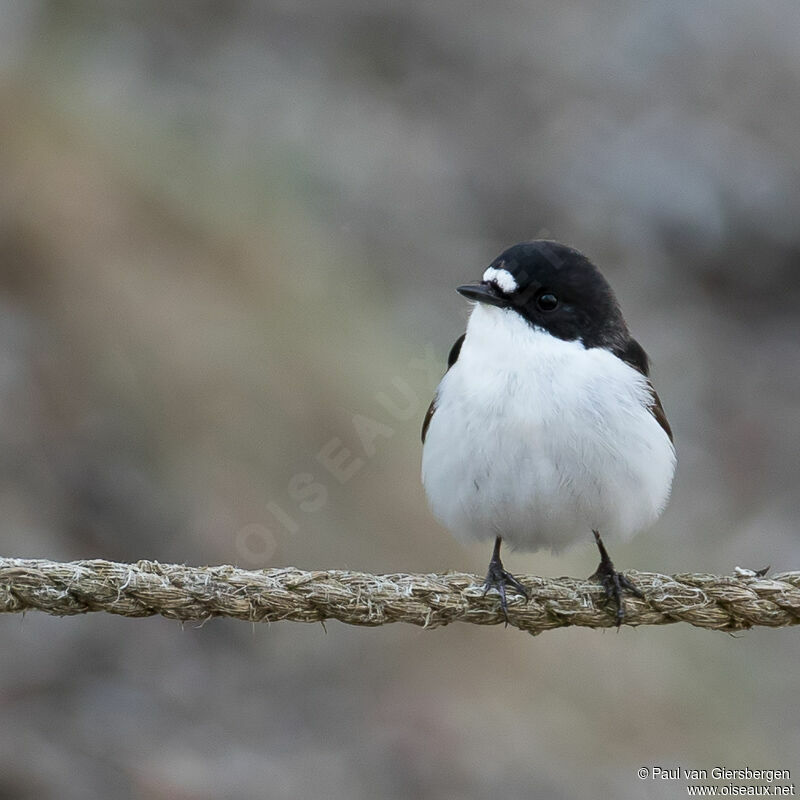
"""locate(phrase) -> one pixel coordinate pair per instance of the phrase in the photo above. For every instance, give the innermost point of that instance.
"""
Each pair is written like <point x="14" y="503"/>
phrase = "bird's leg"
<point x="498" y="578"/>
<point x="612" y="581"/>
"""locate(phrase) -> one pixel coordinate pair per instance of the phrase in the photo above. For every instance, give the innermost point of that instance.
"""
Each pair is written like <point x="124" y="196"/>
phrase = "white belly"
<point x="541" y="441"/>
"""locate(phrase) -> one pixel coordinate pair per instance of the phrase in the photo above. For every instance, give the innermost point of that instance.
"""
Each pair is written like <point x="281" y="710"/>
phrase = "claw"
<point x="499" y="578"/>
<point x="614" y="583"/>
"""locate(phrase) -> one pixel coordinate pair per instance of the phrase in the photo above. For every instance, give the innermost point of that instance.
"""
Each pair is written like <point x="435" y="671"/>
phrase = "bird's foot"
<point x="498" y="578"/>
<point x="614" y="584"/>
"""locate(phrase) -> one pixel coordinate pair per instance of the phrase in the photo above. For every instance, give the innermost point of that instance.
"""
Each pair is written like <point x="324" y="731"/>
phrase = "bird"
<point x="546" y="428"/>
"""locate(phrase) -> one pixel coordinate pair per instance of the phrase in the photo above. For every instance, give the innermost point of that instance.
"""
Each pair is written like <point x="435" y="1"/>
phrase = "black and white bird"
<point x="546" y="427"/>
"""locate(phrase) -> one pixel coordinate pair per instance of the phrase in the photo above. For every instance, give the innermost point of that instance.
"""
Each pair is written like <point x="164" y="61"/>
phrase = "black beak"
<point x="484" y="293"/>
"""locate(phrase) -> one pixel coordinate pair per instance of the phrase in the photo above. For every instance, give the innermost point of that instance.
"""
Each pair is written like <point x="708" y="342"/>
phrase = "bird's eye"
<point x="547" y="301"/>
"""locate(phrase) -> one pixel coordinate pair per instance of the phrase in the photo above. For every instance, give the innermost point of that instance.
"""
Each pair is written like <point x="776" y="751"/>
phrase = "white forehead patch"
<point x="503" y="278"/>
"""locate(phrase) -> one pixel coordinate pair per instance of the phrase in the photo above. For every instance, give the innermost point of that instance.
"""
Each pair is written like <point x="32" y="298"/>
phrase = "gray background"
<point x="225" y="228"/>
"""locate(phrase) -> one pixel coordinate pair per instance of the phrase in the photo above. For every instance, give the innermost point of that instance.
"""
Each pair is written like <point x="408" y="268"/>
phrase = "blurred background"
<point x="228" y="228"/>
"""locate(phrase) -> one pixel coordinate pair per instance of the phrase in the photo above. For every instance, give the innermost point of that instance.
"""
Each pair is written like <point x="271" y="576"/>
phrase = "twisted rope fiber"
<point x="175" y="591"/>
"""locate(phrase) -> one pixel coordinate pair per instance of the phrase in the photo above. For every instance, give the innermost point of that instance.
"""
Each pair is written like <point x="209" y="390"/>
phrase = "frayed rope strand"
<point x="175" y="591"/>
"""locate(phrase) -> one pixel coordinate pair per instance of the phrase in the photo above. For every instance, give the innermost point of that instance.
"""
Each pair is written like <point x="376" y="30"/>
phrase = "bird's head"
<point x="556" y="289"/>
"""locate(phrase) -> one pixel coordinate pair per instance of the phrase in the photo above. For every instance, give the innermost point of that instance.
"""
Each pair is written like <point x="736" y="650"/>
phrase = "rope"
<point x="147" y="588"/>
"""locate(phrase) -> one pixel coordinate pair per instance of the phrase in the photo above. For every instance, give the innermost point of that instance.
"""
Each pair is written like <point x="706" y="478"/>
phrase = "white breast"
<point x="541" y="441"/>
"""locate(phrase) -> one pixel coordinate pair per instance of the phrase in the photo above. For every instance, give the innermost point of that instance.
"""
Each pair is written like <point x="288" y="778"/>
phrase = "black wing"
<point x="451" y="359"/>
<point x="634" y="355"/>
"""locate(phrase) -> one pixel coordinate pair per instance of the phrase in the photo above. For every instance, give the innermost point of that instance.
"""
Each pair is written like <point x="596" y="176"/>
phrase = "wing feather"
<point x="455" y="350"/>
<point x="634" y="355"/>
